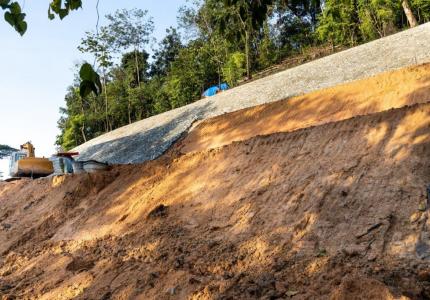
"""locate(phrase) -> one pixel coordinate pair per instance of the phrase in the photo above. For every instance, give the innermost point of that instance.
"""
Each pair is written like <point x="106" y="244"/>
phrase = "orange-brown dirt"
<point x="393" y="89"/>
<point x="334" y="211"/>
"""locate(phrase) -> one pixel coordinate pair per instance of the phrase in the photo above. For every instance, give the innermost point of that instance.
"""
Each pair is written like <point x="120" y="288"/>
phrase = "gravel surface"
<point x="149" y="138"/>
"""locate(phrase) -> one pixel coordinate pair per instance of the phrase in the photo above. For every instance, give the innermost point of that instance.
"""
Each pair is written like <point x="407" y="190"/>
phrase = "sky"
<point x="36" y="69"/>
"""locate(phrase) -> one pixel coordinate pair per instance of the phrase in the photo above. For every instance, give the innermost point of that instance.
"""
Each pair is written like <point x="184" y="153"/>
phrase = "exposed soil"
<point x="334" y="211"/>
<point x="379" y="93"/>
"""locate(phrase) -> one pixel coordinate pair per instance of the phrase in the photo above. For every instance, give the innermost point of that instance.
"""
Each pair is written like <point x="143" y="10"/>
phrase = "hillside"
<point x="321" y="196"/>
<point x="151" y="137"/>
<point x="379" y="93"/>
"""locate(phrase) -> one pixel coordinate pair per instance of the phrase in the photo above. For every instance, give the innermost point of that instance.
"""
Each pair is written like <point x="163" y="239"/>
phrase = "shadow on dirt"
<point x="328" y="211"/>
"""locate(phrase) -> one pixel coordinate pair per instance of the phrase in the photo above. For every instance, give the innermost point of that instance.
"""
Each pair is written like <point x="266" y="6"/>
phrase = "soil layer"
<point x="329" y="209"/>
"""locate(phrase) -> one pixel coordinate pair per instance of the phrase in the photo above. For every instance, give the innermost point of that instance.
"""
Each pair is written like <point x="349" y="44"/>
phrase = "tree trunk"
<point x="106" y="102"/>
<point x="136" y="60"/>
<point x="128" y="111"/>
<point x="83" y="123"/>
<point x="409" y="14"/>
<point x="83" y="133"/>
<point x="219" y="76"/>
<point x="248" y="63"/>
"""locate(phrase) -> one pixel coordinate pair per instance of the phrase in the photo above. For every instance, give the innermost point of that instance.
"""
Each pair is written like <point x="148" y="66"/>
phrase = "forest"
<point x="214" y="42"/>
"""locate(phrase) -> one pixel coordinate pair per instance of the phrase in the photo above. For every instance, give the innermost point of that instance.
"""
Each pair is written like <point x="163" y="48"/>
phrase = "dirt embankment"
<point x="334" y="211"/>
<point x="379" y="93"/>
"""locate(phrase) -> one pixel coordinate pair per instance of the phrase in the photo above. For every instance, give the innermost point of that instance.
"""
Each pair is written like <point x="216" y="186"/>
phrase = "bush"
<point x="235" y="68"/>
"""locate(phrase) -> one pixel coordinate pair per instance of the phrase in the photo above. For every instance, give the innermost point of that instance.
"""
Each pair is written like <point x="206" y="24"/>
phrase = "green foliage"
<point x="350" y="22"/>
<point x="224" y="40"/>
<point x="100" y="45"/>
<point x="422" y="10"/>
<point x="251" y="13"/>
<point x="129" y="61"/>
<point x="377" y="17"/>
<point x="266" y="55"/>
<point x="130" y="28"/>
<point x="90" y="81"/>
<point x="293" y="33"/>
<point x="235" y="68"/>
<point x="63" y="8"/>
<point x="14" y="15"/>
<point x="16" y="18"/>
<point x="167" y="52"/>
<point x="338" y="23"/>
<point x="190" y="73"/>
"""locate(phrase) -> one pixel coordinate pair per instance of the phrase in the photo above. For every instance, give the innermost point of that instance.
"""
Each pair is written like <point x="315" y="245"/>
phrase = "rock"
<point x="354" y="250"/>
<point x="422" y="250"/>
<point x="424" y="275"/>
<point x="193" y="280"/>
<point x="422" y="206"/>
<point x="291" y="293"/>
<point x="415" y="217"/>
<point x="253" y="289"/>
<point x="6" y="287"/>
<point x="281" y="287"/>
<point x="153" y="275"/>
<point x="6" y="226"/>
<point x="171" y="291"/>
<point x="159" y="211"/>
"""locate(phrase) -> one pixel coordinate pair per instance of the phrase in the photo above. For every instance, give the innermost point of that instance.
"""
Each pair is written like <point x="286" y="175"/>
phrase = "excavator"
<point x="24" y="163"/>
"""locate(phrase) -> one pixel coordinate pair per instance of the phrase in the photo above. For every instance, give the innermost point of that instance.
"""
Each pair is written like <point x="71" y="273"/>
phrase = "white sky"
<point x="36" y="69"/>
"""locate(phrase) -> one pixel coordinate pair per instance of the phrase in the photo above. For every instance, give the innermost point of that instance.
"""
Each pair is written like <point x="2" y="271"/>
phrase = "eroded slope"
<point x="379" y="93"/>
<point x="337" y="210"/>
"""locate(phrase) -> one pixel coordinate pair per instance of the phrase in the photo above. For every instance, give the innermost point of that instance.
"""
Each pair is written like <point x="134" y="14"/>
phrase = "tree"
<point x="100" y="45"/>
<point x="250" y="16"/>
<point x="203" y="20"/>
<point x="377" y="18"/>
<point x="234" y="68"/>
<point x="131" y="29"/>
<point x="167" y="52"/>
<point x="229" y="39"/>
<point x="266" y="49"/>
<point x="355" y="21"/>
<point x="409" y="14"/>
<point x="338" y="23"/>
<point x="190" y="73"/>
<point x="421" y="9"/>
<point x="137" y="106"/>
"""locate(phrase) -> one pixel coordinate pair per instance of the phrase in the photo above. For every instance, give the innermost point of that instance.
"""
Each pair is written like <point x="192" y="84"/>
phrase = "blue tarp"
<point x="212" y="91"/>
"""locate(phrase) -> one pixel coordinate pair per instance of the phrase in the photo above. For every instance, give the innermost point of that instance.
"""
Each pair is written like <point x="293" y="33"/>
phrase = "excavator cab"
<point x="24" y="163"/>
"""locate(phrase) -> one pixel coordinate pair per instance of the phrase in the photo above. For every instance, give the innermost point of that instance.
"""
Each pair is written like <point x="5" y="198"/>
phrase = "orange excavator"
<point x="24" y="163"/>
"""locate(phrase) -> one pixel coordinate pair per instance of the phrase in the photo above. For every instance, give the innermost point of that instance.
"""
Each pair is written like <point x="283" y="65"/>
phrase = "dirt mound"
<point x="379" y="93"/>
<point x="335" y="211"/>
<point x="285" y="215"/>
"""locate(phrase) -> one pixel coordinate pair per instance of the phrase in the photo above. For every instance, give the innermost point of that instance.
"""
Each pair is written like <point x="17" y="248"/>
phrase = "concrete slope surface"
<point x="148" y="139"/>
<point x="336" y="210"/>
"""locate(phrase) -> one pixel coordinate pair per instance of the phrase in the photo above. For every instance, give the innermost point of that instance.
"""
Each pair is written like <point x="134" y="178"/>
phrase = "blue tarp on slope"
<point x="212" y="91"/>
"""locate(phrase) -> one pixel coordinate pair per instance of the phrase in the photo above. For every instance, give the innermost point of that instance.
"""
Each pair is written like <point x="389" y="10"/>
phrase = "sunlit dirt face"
<point x="335" y="211"/>
<point x="379" y="93"/>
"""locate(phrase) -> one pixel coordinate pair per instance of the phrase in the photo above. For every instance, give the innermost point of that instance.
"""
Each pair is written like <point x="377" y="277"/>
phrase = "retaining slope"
<point x="149" y="138"/>
<point x="295" y="211"/>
